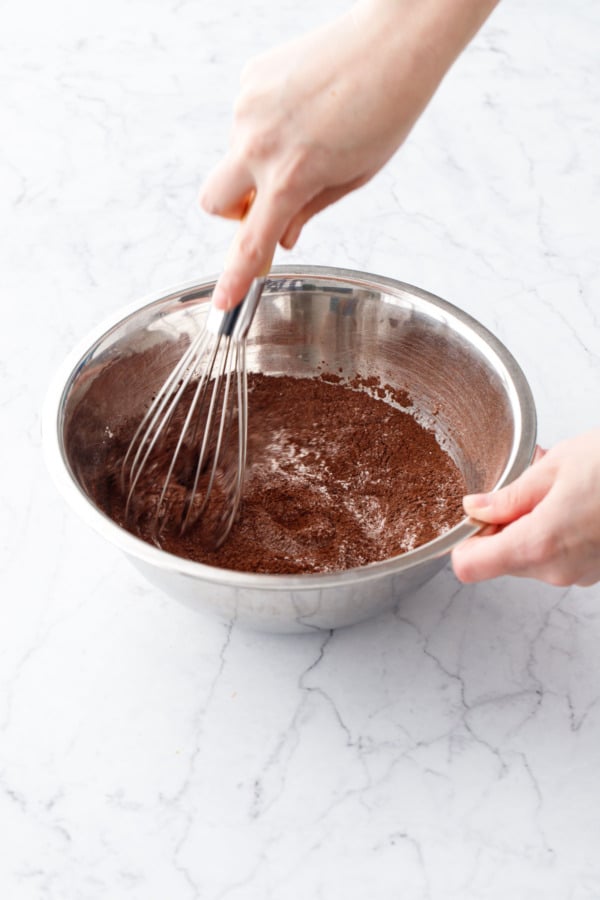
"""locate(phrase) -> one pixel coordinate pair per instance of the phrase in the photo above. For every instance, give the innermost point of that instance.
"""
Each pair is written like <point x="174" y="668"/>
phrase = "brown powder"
<point x="336" y="478"/>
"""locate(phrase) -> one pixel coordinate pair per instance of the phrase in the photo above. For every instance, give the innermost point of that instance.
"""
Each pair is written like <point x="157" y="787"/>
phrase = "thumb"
<point x="513" y="501"/>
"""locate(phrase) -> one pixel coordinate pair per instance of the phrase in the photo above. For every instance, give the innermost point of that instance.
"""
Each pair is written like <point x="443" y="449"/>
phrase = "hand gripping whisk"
<point x="197" y="429"/>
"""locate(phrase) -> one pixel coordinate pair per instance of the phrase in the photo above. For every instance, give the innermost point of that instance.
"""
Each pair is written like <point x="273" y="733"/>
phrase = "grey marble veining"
<point x="448" y="750"/>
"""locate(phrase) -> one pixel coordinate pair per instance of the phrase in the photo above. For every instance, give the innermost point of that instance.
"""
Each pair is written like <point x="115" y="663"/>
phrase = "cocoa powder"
<point x="336" y="478"/>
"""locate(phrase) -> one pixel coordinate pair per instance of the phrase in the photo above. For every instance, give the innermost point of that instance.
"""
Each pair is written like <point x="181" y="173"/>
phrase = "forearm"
<point x="414" y="43"/>
<point x="444" y="27"/>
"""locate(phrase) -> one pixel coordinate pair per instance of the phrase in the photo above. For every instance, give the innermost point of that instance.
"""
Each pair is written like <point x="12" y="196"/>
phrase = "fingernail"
<point x="221" y="298"/>
<point x="290" y="239"/>
<point x="204" y="201"/>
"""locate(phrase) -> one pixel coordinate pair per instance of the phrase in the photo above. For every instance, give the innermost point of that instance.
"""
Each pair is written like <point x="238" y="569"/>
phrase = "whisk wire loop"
<point x="217" y="407"/>
<point x="193" y="415"/>
<point x="156" y="419"/>
<point x="219" y="399"/>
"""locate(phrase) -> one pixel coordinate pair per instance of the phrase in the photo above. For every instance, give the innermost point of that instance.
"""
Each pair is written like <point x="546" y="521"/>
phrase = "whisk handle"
<point x="235" y="323"/>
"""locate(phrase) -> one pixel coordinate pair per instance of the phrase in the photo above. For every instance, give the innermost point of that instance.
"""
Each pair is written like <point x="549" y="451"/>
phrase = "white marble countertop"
<point x="448" y="750"/>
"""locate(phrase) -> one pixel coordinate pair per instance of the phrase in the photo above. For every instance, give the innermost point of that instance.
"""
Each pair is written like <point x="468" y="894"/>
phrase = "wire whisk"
<point x="186" y="461"/>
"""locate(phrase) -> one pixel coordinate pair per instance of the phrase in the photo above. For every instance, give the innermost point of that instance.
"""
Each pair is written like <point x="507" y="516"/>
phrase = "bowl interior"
<point x="444" y="368"/>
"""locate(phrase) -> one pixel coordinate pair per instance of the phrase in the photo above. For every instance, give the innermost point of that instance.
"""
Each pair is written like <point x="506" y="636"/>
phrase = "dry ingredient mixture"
<point x="336" y="478"/>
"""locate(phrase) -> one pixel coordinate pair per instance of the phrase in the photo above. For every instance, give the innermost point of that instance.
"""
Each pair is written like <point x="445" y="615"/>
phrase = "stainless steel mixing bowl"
<point x="463" y="383"/>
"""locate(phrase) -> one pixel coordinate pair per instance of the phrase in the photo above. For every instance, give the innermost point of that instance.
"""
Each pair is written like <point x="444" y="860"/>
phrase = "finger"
<point x="225" y="191"/>
<point x="517" y="549"/>
<point x="321" y="201"/>
<point x="539" y="454"/>
<point x="253" y="248"/>
<point x="512" y="501"/>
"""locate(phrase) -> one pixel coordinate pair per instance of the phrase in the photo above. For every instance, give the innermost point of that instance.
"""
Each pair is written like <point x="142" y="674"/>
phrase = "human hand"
<point x="317" y="117"/>
<point x="548" y="520"/>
